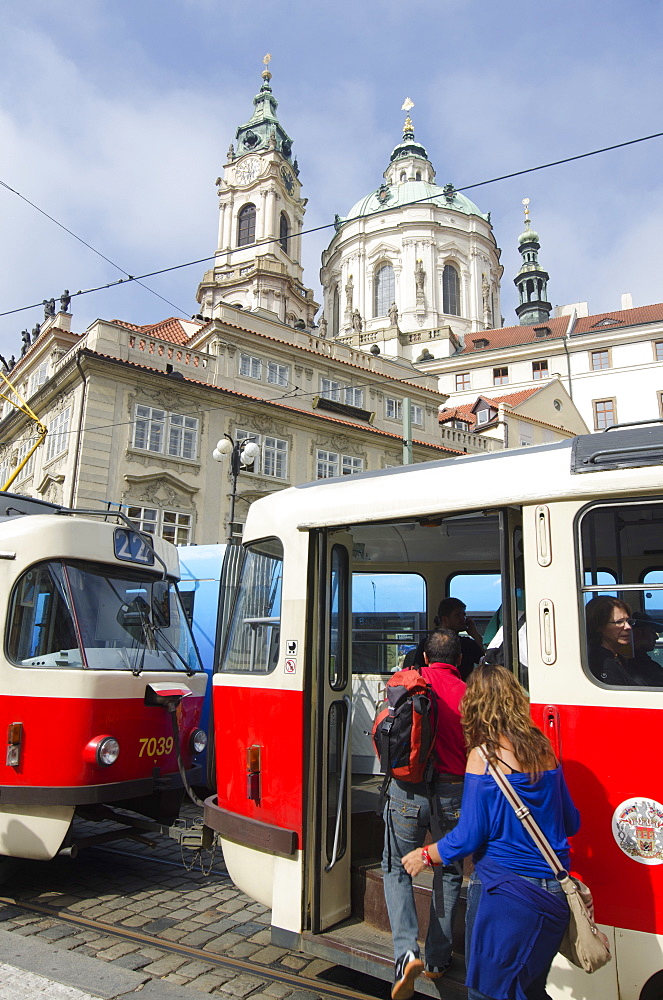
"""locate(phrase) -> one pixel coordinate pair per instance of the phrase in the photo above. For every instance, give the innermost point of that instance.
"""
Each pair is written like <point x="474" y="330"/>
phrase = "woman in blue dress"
<point x="516" y="910"/>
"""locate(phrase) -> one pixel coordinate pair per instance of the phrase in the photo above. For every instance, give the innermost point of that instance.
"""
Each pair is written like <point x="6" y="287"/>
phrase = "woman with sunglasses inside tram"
<point x="610" y="637"/>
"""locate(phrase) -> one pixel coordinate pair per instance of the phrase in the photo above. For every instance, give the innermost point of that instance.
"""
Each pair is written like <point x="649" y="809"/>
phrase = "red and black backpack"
<point x="404" y="729"/>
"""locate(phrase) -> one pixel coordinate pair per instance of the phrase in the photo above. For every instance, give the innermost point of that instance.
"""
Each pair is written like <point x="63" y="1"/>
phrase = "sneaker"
<point x="408" y="967"/>
<point x="436" y="971"/>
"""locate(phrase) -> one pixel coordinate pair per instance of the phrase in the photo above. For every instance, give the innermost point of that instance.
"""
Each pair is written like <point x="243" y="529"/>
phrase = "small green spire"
<point x="263" y="129"/>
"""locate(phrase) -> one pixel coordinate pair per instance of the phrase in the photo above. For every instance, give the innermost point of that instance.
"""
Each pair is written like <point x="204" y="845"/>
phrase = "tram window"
<point x="123" y="620"/>
<point x="338" y="615"/>
<point x="481" y="593"/>
<point x="253" y="639"/>
<point x="388" y="619"/>
<point x="40" y="619"/>
<point x="620" y="545"/>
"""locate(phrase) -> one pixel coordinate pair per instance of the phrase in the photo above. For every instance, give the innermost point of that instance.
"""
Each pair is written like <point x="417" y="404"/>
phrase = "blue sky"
<point x="115" y="118"/>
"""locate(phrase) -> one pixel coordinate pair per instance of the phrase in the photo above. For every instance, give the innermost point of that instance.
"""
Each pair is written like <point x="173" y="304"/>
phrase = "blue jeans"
<point x="536" y="990"/>
<point x="407" y="818"/>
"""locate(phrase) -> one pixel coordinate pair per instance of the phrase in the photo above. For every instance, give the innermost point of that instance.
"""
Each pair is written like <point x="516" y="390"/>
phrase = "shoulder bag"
<point x="583" y="943"/>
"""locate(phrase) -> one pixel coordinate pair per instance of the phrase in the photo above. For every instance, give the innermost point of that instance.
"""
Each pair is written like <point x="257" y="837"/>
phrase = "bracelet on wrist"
<point x="426" y="858"/>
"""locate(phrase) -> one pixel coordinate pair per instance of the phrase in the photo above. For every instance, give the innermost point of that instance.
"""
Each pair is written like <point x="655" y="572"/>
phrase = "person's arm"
<point x="474" y="633"/>
<point x="471" y="831"/>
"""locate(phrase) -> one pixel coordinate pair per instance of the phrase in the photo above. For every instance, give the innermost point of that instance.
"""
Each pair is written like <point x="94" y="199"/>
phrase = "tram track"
<point x="236" y="965"/>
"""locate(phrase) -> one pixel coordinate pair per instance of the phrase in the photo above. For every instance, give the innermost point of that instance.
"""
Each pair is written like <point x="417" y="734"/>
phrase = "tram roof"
<point x="616" y="463"/>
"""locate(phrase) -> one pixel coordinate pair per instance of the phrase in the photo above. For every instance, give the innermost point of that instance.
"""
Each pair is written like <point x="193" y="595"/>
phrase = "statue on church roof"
<point x="25" y="338"/>
<point x="65" y="300"/>
<point x="419" y="279"/>
<point x="36" y="330"/>
<point x="349" y="289"/>
<point x="393" y="314"/>
<point x="357" y="321"/>
<point x="322" y="327"/>
<point x="49" y="308"/>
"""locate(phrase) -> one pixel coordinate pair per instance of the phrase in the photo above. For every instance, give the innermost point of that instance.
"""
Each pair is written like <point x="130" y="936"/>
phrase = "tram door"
<point x="329" y="859"/>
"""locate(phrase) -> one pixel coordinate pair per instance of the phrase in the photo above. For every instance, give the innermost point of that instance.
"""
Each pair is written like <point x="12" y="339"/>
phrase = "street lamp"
<point x="242" y="455"/>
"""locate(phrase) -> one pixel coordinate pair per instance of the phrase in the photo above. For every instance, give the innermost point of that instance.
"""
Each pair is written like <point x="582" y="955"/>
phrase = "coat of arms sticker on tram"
<point x="637" y="826"/>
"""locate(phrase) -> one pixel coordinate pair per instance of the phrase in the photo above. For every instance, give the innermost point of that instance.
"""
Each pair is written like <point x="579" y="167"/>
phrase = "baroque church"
<point x="407" y="360"/>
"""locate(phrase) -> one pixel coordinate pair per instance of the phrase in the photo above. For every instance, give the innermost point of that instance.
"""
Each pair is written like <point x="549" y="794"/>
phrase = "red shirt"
<point x="449" y="740"/>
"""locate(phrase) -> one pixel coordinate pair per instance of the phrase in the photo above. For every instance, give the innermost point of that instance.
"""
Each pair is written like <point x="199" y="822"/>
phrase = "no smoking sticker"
<point x="290" y="665"/>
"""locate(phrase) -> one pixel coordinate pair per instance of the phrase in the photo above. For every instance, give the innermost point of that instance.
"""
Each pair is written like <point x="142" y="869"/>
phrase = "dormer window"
<point x="541" y="331"/>
<point x="480" y="343"/>
<point x="608" y="321"/>
<point x="483" y="416"/>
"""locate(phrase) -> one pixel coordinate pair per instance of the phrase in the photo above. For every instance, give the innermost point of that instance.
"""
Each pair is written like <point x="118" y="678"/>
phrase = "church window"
<point x="500" y="376"/>
<point x="599" y="360"/>
<point x="283" y="232"/>
<point x="539" y="369"/>
<point x="418" y="175"/>
<point x="246" y="226"/>
<point x="450" y="291"/>
<point x="402" y="177"/>
<point x="384" y="290"/>
<point x="335" y="312"/>
<point x="462" y="381"/>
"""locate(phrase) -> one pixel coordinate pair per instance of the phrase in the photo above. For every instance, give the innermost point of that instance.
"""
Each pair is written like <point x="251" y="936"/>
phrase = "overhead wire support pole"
<point x="406" y="413"/>
<point x="23" y="407"/>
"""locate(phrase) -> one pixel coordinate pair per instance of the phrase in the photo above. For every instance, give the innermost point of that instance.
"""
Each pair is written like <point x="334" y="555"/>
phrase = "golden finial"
<point x="267" y="59"/>
<point x="408" y="126"/>
<point x="526" y="204"/>
<point x="265" y="73"/>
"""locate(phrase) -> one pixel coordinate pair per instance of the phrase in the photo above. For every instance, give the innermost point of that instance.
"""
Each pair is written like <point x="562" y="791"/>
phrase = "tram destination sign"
<point x="130" y="547"/>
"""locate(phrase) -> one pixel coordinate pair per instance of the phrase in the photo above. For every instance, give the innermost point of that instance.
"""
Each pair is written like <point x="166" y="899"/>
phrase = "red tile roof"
<point x="464" y="410"/>
<point x="166" y="329"/>
<point x="511" y="336"/>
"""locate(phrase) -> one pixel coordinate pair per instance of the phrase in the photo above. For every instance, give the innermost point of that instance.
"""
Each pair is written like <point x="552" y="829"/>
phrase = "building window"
<point x="599" y="360"/>
<point x="283" y="232"/>
<point x="450" y="291"/>
<point x="277" y="374"/>
<point x="57" y="439"/>
<point x="339" y="393"/>
<point x="249" y="366"/>
<point x="462" y="381"/>
<point x="658" y="350"/>
<point x="462" y="425"/>
<point x="330" y="464"/>
<point x="539" y="369"/>
<point x="605" y="413"/>
<point x="500" y="376"/>
<point x="246" y="226"/>
<point x="166" y="433"/>
<point x="172" y="525"/>
<point x="24" y="448"/>
<point x="273" y="458"/>
<point x="384" y="291"/>
<point x="393" y="408"/>
<point x="38" y="377"/>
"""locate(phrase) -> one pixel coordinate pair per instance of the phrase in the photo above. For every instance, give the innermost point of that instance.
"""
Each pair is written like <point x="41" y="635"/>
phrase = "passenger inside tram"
<point x="619" y="641"/>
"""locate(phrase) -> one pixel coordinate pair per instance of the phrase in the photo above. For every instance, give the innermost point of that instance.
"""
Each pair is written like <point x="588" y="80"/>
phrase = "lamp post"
<point x="242" y="455"/>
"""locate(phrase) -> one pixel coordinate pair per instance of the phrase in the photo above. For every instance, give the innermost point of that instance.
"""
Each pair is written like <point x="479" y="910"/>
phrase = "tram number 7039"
<point x="153" y="747"/>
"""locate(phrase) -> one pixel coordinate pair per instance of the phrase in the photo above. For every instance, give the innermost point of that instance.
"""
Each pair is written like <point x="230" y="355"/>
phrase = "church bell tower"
<point x="261" y="215"/>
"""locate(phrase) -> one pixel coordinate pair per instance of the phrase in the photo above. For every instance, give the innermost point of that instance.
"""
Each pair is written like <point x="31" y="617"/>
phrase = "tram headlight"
<point x="198" y="741"/>
<point x="102" y="751"/>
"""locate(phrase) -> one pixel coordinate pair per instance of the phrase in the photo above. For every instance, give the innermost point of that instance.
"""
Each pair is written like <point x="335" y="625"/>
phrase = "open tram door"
<point x="329" y="640"/>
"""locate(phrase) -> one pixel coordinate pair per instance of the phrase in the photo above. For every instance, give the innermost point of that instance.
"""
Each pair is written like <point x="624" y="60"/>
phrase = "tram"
<point x="542" y="529"/>
<point x="100" y="678"/>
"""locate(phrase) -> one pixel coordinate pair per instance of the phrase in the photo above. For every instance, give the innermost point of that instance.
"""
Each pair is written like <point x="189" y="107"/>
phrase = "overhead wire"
<point x="338" y="222"/>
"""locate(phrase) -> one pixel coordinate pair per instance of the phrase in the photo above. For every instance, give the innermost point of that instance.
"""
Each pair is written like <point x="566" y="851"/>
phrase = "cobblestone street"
<point x="132" y="888"/>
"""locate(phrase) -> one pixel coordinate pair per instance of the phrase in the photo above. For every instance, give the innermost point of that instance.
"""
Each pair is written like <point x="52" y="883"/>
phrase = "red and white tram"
<point x="542" y="529"/>
<point x="100" y="679"/>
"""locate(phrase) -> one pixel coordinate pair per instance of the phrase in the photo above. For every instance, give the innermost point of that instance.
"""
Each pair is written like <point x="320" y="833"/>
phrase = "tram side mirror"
<point x="161" y="603"/>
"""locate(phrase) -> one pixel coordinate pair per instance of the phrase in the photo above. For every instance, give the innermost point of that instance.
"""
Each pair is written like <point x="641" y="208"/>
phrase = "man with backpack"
<point x="413" y="808"/>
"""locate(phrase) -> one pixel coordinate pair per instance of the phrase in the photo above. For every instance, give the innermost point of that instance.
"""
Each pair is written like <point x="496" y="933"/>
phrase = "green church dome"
<point x="529" y="236"/>
<point x="400" y="195"/>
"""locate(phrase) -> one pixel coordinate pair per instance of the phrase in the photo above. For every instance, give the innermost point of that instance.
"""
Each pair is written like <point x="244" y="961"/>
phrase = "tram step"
<point x="369" y="907"/>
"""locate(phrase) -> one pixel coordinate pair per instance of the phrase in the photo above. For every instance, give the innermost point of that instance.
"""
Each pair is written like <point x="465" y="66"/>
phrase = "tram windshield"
<point x="81" y="614"/>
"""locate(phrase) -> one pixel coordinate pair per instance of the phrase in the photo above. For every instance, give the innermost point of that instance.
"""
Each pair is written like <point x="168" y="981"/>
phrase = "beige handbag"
<point x="583" y="943"/>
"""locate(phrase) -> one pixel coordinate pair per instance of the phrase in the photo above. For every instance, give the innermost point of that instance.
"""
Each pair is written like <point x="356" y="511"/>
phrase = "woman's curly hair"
<point x="494" y="707"/>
